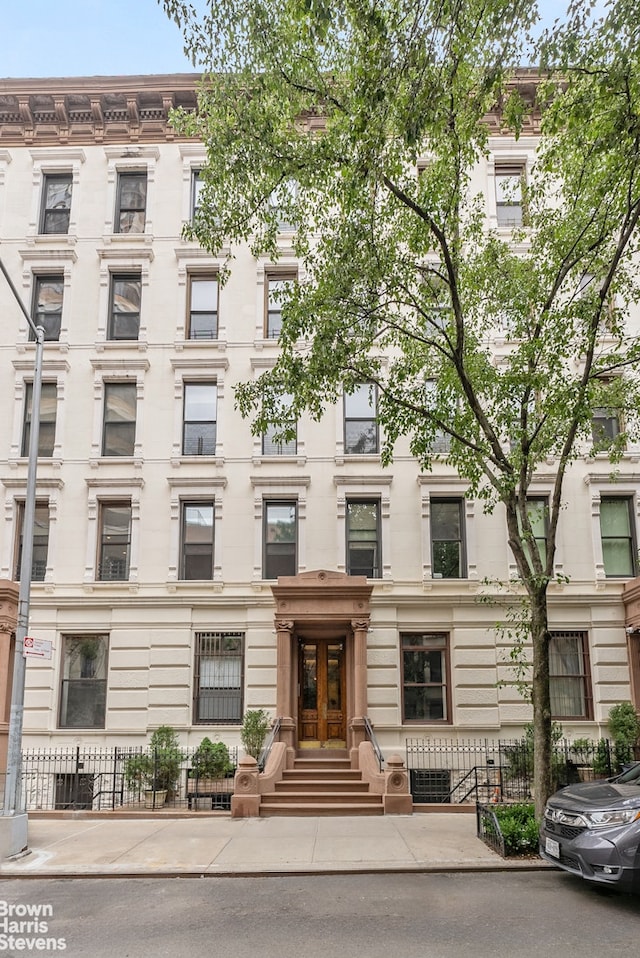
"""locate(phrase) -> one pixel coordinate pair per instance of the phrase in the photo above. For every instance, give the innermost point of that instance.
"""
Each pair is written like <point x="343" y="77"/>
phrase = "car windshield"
<point x="631" y="776"/>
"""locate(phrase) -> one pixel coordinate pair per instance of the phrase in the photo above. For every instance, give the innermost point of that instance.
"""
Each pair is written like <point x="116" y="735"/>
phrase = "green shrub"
<point x="519" y="828"/>
<point x="157" y="769"/>
<point x="255" y="725"/>
<point x="210" y="760"/>
<point x="520" y="756"/>
<point x="582" y="750"/>
<point x="624" y="728"/>
<point x="602" y="760"/>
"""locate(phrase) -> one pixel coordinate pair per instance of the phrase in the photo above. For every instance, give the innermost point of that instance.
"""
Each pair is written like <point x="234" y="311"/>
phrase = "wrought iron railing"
<point x="99" y="779"/>
<point x="273" y="736"/>
<point x="494" y="770"/>
<point x="371" y="737"/>
<point x="488" y="828"/>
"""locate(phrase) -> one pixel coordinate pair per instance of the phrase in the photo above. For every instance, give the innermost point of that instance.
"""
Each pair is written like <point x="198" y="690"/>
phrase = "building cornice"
<point x="70" y="111"/>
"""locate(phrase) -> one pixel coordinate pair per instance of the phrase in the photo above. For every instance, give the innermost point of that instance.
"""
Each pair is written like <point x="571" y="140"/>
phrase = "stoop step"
<point x="321" y="784"/>
<point x="268" y="809"/>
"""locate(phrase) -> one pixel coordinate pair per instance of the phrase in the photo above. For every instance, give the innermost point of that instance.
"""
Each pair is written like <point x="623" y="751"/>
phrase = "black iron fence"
<point x="489" y="771"/>
<point x="101" y="779"/>
<point x="488" y="829"/>
<point x="451" y="771"/>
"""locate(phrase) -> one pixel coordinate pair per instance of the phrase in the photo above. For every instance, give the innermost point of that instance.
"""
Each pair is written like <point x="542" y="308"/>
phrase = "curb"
<point x="418" y="869"/>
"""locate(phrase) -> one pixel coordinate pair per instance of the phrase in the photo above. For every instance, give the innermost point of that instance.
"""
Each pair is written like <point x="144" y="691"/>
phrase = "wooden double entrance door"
<point x="322" y="702"/>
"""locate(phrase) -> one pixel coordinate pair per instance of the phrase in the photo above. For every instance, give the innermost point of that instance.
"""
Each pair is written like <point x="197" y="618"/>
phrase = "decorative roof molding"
<point x="69" y="111"/>
<point x="73" y="111"/>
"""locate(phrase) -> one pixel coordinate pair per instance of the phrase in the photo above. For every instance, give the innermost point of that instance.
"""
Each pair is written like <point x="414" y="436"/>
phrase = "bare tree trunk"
<point x="541" y="700"/>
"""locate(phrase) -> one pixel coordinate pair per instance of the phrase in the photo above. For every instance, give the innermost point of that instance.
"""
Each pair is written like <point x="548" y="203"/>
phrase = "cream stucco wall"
<point x="152" y="619"/>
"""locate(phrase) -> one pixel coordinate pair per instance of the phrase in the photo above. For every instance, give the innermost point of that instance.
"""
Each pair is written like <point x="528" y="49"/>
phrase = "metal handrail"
<point x="488" y="828"/>
<point x="371" y="735"/>
<point x="273" y="736"/>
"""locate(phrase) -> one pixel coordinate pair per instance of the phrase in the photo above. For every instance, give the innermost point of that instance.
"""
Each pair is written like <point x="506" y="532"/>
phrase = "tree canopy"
<point x="363" y="130"/>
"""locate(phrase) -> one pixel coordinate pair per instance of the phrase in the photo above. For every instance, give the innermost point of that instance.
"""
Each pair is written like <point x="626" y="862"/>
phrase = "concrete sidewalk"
<point x="208" y="845"/>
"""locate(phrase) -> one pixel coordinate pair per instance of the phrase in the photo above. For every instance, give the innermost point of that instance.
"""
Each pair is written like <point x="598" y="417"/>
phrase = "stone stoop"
<point x="321" y="785"/>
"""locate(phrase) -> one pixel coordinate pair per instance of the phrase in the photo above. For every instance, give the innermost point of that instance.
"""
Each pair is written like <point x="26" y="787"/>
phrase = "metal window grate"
<point x="218" y="678"/>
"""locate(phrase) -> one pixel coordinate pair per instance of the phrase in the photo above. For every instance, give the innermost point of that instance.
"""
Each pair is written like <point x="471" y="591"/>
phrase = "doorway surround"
<point x="317" y="607"/>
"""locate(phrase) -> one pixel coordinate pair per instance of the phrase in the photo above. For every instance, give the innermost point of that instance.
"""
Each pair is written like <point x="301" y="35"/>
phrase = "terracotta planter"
<point x="205" y="784"/>
<point x="586" y="773"/>
<point x="154" y="799"/>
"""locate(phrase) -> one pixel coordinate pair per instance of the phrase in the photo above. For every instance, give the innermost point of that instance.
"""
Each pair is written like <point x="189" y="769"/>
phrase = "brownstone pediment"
<point x="322" y="596"/>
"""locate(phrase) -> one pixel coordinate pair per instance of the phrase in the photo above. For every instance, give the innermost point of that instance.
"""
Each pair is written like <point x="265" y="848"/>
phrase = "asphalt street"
<point x="449" y="915"/>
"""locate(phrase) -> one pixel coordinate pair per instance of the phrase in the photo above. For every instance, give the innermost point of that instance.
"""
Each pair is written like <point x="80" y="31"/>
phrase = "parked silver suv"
<point x="592" y="829"/>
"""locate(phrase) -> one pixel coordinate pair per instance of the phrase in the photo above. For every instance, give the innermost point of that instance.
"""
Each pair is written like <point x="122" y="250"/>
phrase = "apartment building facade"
<point x="186" y="570"/>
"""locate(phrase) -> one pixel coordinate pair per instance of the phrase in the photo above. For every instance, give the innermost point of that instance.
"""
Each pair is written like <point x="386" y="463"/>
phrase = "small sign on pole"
<point x="37" y="648"/>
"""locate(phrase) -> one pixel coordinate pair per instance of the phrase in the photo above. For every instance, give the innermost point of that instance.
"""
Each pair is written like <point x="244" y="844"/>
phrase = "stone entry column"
<point x="285" y="686"/>
<point x="360" y="706"/>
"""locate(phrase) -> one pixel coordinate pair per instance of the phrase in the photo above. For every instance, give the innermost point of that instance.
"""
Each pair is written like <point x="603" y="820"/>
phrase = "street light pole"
<point x="12" y="793"/>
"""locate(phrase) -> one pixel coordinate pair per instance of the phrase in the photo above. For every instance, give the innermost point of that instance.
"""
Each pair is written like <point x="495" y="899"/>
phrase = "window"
<point x="617" y="531"/>
<point x="40" y="541"/>
<point x="435" y="303"/>
<point x="424" y="677"/>
<point x="360" y="426"/>
<point x="280" y="539"/>
<point x="119" y="427"/>
<point x="569" y="675"/>
<point x="197" y="540"/>
<point x="48" y="408"/>
<point x="46" y="310"/>
<point x="278" y="289"/>
<point x="509" y="205"/>
<point x="199" y="424"/>
<point x="448" y="558"/>
<point x="219" y="668"/>
<point x="124" y="308"/>
<point x="282" y="199"/>
<point x="114" y="543"/>
<point x="363" y="538"/>
<point x="274" y="447"/>
<point x="203" y="307"/>
<point x="538" y="513"/>
<point x="441" y="439"/>
<point x="196" y="193"/>
<point x="132" y="203"/>
<point x="605" y="426"/>
<point x="83" y="695"/>
<point x="56" y="203"/>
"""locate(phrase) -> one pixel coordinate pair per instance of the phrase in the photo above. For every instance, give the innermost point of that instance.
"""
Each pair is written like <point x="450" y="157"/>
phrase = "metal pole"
<point x="12" y="799"/>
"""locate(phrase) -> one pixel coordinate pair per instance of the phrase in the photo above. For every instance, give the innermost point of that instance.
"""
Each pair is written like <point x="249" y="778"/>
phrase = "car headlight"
<point x="562" y="817"/>
<point x="623" y="816"/>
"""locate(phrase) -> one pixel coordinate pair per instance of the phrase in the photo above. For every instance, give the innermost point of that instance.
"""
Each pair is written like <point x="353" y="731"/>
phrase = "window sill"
<point x="96" y="461"/>
<point x="193" y="344"/>
<point x="55" y="239"/>
<point x="194" y="460"/>
<point x="422" y="723"/>
<point x="110" y="345"/>
<point x="128" y="239"/>
<point x="350" y="457"/>
<point x="195" y="585"/>
<point x="113" y="585"/>
<point x="295" y="459"/>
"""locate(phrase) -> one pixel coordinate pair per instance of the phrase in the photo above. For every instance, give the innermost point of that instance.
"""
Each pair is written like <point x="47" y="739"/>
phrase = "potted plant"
<point x="210" y="761"/>
<point x="157" y="770"/>
<point x="210" y="764"/>
<point x="255" y="725"/>
<point x="583" y="750"/>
